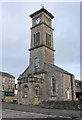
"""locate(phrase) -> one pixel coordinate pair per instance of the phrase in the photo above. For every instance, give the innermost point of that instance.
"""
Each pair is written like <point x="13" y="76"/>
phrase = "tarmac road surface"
<point x="6" y="113"/>
<point x="26" y="111"/>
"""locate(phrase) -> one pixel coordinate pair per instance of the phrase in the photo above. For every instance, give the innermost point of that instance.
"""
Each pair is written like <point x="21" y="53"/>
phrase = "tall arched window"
<point x="37" y="91"/>
<point x="36" y="64"/>
<point x="34" y="40"/>
<point x="48" y="40"/>
<point x="53" y="85"/>
<point x="38" y="38"/>
<point x="67" y="94"/>
<point x="25" y="91"/>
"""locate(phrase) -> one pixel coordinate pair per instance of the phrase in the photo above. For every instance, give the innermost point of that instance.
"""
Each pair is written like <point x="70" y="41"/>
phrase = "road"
<point x="6" y="113"/>
<point x="25" y="111"/>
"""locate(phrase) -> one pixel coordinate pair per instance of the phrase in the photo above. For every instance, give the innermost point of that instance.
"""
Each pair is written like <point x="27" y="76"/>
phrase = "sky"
<point x="16" y="35"/>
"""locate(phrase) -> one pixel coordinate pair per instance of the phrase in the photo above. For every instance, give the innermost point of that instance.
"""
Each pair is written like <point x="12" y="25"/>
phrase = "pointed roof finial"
<point x="42" y="6"/>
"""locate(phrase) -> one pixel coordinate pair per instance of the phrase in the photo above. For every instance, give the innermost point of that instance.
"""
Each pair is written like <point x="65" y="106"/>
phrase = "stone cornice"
<point x="41" y="46"/>
<point x="40" y="24"/>
<point x="42" y="10"/>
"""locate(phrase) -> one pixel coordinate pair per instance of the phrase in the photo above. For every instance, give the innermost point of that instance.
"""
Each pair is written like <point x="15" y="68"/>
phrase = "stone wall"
<point x="71" y="105"/>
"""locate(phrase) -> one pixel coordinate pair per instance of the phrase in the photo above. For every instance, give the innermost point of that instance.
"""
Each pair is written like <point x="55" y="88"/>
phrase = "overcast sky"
<point x="16" y="35"/>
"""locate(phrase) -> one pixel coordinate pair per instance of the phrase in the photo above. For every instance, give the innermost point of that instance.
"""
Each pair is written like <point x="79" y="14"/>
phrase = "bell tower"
<point x="42" y="49"/>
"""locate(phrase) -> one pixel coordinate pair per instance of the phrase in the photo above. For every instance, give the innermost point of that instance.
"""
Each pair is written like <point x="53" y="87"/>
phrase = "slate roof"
<point x="58" y="68"/>
<point x="23" y="73"/>
<point x="42" y="10"/>
<point x="4" y="74"/>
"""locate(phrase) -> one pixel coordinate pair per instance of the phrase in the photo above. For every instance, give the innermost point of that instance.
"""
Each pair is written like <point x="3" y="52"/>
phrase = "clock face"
<point x="37" y="20"/>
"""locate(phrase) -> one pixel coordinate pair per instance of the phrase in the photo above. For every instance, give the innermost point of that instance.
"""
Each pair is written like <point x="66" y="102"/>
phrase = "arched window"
<point x="67" y="94"/>
<point x="37" y="91"/>
<point x="48" y="40"/>
<point x="34" y="40"/>
<point x="36" y="64"/>
<point x="53" y="85"/>
<point x="38" y="38"/>
<point x="25" y="91"/>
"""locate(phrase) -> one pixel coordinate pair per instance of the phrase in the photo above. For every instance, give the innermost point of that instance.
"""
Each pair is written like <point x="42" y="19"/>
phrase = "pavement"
<point x="27" y="111"/>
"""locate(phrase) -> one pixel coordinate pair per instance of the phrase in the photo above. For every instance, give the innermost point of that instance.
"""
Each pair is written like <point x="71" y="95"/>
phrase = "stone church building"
<point x="42" y="80"/>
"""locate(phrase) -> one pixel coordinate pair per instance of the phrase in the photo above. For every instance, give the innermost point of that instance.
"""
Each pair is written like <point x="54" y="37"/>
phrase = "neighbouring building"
<point x="7" y="86"/>
<point x="43" y="80"/>
<point x="16" y="92"/>
<point x="78" y="86"/>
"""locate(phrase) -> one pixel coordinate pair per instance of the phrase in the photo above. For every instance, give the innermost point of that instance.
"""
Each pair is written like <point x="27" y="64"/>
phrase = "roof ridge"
<point x="7" y="74"/>
<point x="23" y="72"/>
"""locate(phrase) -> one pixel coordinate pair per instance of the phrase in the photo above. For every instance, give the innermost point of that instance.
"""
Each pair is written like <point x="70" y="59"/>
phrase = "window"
<point x="3" y="80"/>
<point x="3" y="87"/>
<point x="67" y="94"/>
<point x="36" y="64"/>
<point x="25" y="91"/>
<point x="37" y="91"/>
<point x="34" y="40"/>
<point x="53" y="86"/>
<point x="48" y="40"/>
<point x="37" y="39"/>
